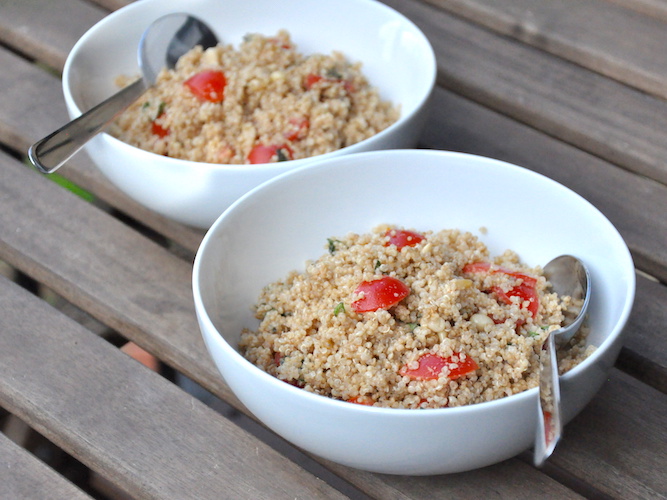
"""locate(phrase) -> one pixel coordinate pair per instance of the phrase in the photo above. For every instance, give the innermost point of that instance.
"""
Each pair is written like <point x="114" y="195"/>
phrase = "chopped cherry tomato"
<point x="297" y="128"/>
<point x="208" y="85"/>
<point x="485" y="267"/>
<point x="381" y="293"/>
<point x="403" y="238"/>
<point x="312" y="79"/>
<point x="361" y="400"/>
<point x="280" y="43"/>
<point x="548" y="431"/>
<point x="158" y="130"/>
<point x="525" y="291"/>
<point x="430" y="366"/>
<point x="264" y="154"/>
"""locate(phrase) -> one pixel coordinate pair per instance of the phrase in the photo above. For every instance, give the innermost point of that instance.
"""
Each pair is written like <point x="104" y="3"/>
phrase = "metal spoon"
<point x="568" y="276"/>
<point x="165" y="40"/>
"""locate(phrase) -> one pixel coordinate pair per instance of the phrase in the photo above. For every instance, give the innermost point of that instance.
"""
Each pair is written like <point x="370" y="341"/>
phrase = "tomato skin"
<point x="361" y="400"/>
<point x="525" y="291"/>
<point x="157" y="129"/>
<point x="298" y="128"/>
<point x="264" y="154"/>
<point x="430" y="366"/>
<point x="312" y="79"/>
<point x="403" y="238"/>
<point x="485" y="267"/>
<point x="208" y="85"/>
<point x="381" y="293"/>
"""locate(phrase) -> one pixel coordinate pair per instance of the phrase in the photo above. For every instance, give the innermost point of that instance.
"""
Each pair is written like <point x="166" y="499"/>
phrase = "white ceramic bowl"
<point x="395" y="55"/>
<point x="279" y="225"/>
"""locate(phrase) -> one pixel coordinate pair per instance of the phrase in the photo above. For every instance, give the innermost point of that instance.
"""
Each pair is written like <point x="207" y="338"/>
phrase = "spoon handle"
<point x="49" y="153"/>
<point x="549" y="426"/>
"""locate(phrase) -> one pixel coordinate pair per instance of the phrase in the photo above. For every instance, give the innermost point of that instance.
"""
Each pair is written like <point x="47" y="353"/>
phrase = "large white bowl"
<point x="279" y="225"/>
<point x="396" y="57"/>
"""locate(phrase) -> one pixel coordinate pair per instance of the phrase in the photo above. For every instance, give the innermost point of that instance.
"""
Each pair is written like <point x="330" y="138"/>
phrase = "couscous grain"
<point x="400" y="319"/>
<point x="263" y="102"/>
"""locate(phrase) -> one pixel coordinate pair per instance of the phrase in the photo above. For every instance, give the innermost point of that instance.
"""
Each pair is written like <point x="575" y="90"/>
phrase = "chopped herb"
<point x="334" y="73"/>
<point x="413" y="326"/>
<point x="332" y="245"/>
<point x="281" y="155"/>
<point x="145" y="105"/>
<point x="377" y="264"/>
<point x="533" y="334"/>
<point x="340" y="307"/>
<point x="160" y="108"/>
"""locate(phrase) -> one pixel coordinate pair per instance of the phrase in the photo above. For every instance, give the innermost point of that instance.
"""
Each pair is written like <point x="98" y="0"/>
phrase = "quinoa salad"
<point x="403" y="319"/>
<point x="263" y="102"/>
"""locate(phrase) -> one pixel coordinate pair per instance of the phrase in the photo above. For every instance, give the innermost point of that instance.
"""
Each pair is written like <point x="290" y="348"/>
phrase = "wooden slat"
<point x="596" y="114"/>
<point x="28" y="109"/>
<point x="645" y="355"/>
<point x="468" y="127"/>
<point x="586" y="33"/>
<point x="31" y="106"/>
<point x="655" y="8"/>
<point x="24" y="476"/>
<point x="46" y="31"/>
<point x="631" y="202"/>
<point x="126" y="422"/>
<point x="622" y="428"/>
<point x="127" y="282"/>
<point x="139" y="287"/>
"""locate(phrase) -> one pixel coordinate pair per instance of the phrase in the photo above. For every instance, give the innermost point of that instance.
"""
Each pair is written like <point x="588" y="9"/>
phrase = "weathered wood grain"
<point x="126" y="422"/>
<point x="121" y="278"/>
<point x="117" y="276"/>
<point x="505" y="97"/>
<point x="631" y="202"/>
<point x="581" y="107"/>
<point x="31" y="106"/>
<point x="631" y="417"/>
<point x="655" y="8"/>
<point x="590" y="33"/>
<point x="46" y="30"/>
<point x="22" y="475"/>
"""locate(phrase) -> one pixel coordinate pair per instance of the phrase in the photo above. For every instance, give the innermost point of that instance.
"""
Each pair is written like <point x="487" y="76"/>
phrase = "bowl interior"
<point x="281" y="224"/>
<point x="365" y="31"/>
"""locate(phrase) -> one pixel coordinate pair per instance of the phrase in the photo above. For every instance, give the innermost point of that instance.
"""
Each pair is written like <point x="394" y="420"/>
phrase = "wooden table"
<point x="574" y="89"/>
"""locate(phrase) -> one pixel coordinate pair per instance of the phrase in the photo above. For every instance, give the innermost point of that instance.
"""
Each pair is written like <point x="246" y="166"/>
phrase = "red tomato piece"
<point x="297" y="128"/>
<point x="485" y="267"/>
<point x="524" y="292"/>
<point x="264" y="154"/>
<point x="158" y="130"/>
<point x="208" y="85"/>
<point x="312" y="79"/>
<point x="430" y="366"/>
<point x="403" y="238"/>
<point x="381" y="293"/>
<point x="361" y="400"/>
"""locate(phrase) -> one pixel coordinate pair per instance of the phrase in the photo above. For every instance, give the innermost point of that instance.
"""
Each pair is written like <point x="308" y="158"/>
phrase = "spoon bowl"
<point x="568" y="276"/>
<point x="162" y="44"/>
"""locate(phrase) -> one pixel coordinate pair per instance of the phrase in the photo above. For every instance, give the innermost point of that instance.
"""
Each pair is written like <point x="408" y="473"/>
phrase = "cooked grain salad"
<point x="400" y="319"/>
<point x="263" y="102"/>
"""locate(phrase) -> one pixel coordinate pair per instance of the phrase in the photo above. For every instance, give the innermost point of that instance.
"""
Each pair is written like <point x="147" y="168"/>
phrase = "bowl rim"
<point x="600" y="350"/>
<point x="168" y="162"/>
